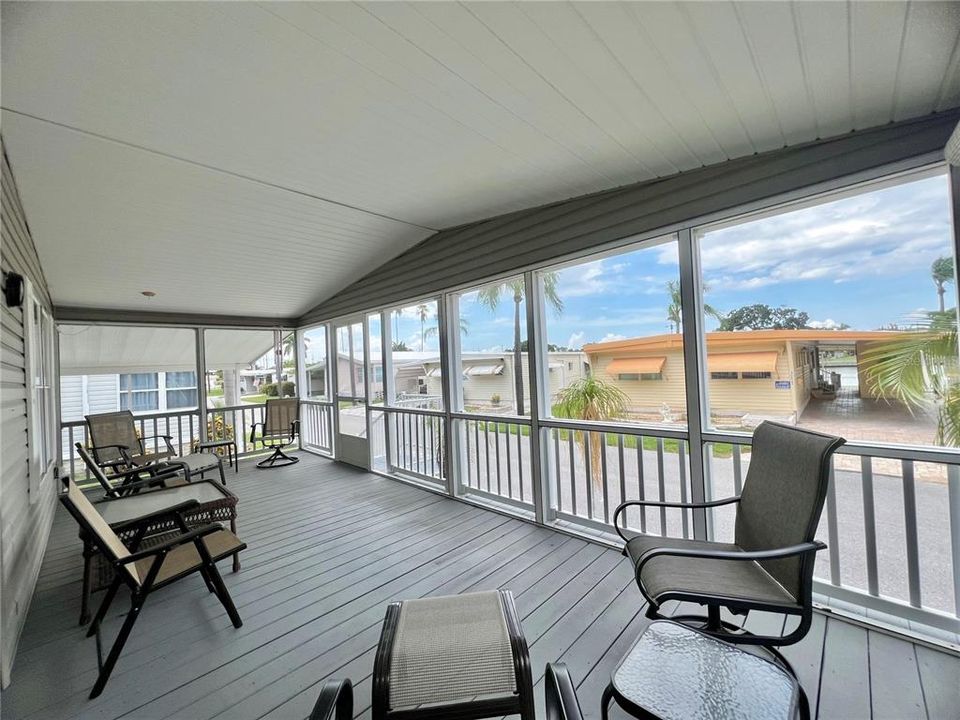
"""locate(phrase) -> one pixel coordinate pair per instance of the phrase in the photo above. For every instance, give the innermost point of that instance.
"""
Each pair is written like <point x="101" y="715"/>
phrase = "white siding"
<point x="24" y="525"/>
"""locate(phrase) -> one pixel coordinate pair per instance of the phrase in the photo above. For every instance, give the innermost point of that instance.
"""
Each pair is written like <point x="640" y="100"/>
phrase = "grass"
<point x="254" y="399"/>
<point x="215" y="392"/>
<point x="670" y="445"/>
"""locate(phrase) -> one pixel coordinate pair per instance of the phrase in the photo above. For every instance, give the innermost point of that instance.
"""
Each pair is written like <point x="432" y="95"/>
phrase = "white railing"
<point x="183" y="426"/>
<point x="316" y="425"/>
<point x="495" y="458"/>
<point x="415" y="443"/>
<point x="891" y="523"/>
<point x="593" y="468"/>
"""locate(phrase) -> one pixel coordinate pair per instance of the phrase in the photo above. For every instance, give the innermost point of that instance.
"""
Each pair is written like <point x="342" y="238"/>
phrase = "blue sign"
<point x="781" y="384"/>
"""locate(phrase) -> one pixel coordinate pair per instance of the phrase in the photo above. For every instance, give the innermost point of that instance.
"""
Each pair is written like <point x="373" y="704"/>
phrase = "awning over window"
<point x="485" y="369"/>
<point x="434" y="372"/>
<point x="743" y="362"/>
<point x="636" y="365"/>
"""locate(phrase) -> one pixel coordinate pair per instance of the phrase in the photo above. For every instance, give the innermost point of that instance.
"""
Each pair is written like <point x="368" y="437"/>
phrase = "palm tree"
<point x="399" y="346"/>
<point x="590" y="398"/>
<point x="920" y="368"/>
<point x="423" y="312"/>
<point x="941" y="271"/>
<point x="490" y="296"/>
<point x="674" y="313"/>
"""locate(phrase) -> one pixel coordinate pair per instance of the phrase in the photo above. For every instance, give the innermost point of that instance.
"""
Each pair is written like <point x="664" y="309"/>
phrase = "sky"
<point x="862" y="260"/>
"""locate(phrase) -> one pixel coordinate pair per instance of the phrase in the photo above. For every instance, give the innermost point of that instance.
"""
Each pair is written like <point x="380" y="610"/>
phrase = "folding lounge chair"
<point x="280" y="427"/>
<point x="144" y="571"/>
<point x="769" y="565"/>
<point x="132" y="480"/>
<point x="116" y="446"/>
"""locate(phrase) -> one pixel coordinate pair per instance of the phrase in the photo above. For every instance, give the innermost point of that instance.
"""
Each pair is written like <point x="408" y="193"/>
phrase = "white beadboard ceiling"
<point x="244" y="158"/>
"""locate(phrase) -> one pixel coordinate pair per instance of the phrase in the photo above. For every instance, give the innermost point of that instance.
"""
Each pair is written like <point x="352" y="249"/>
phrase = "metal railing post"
<point x="201" y="386"/>
<point x="539" y="397"/>
<point x="694" y="357"/>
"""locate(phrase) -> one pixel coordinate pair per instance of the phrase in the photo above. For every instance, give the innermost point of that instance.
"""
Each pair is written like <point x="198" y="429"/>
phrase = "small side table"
<point x="462" y="656"/>
<point x="230" y="445"/>
<point x="674" y="672"/>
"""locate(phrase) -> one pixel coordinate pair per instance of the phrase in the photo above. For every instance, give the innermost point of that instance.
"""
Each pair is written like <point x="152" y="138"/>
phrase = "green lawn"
<point x="253" y="399"/>
<point x="215" y="392"/>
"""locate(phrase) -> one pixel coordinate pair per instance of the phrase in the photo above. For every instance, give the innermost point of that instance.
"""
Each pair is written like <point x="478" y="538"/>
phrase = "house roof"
<point x="674" y="341"/>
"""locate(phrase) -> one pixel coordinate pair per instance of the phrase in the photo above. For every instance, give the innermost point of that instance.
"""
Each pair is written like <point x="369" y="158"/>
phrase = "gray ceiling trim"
<point x="139" y="317"/>
<point x="543" y="234"/>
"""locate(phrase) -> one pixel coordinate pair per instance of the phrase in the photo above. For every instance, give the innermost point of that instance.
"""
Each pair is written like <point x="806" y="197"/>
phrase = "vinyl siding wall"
<point x="24" y="524"/>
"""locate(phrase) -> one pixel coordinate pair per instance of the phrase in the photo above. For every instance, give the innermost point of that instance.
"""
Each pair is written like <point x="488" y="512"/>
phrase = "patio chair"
<point x="280" y="427"/>
<point x="335" y="701"/>
<point x="132" y="480"/>
<point x="769" y="565"/>
<point x="116" y="446"/>
<point x="144" y="571"/>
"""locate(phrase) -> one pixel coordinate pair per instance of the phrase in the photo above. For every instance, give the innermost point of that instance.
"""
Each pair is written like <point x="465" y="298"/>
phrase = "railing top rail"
<point x="410" y="410"/>
<point x="316" y="401"/>
<point x="618" y="428"/>
<point x="511" y="419"/>
<point x="241" y="406"/>
<point x="137" y="418"/>
<point x="947" y="456"/>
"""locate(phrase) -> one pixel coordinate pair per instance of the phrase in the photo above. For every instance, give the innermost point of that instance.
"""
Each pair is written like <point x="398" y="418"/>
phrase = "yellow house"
<point x="751" y="374"/>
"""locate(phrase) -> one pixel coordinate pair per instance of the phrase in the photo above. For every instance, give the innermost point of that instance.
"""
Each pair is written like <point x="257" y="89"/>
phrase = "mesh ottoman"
<point x="456" y="657"/>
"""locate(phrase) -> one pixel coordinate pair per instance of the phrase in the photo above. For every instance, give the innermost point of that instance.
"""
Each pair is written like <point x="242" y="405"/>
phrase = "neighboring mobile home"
<point x="753" y="375"/>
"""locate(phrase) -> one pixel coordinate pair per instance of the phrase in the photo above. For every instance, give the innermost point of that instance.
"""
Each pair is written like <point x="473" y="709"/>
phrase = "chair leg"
<point x="85" y="591"/>
<point x="117" y="648"/>
<point x="223" y="595"/>
<point x="605" y="702"/>
<point x="223" y="479"/>
<point x="104" y="606"/>
<point x="206" y="579"/>
<point x="236" y="555"/>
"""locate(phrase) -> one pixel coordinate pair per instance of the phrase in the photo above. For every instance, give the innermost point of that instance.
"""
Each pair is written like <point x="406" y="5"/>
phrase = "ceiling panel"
<point x="111" y="221"/>
<point x="345" y="131"/>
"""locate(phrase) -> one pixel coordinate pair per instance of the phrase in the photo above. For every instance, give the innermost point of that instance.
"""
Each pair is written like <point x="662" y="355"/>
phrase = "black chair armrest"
<point x="191" y="536"/>
<point x="253" y="431"/>
<point x="294" y="429"/>
<point x="740" y="555"/>
<point x="168" y="439"/>
<point x="658" y="503"/>
<point x="335" y="701"/>
<point x="560" y="694"/>
<point x="172" y="511"/>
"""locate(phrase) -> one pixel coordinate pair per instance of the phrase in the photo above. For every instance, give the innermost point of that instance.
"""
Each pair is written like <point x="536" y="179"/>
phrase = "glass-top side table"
<point x="674" y="672"/>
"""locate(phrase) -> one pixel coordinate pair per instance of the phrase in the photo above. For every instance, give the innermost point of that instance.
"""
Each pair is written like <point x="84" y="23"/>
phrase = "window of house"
<point x="140" y="392"/>
<point x="41" y="409"/>
<point x="640" y="376"/>
<point x="314" y="362"/>
<point x="723" y="376"/>
<point x="756" y="375"/>
<point x="181" y="389"/>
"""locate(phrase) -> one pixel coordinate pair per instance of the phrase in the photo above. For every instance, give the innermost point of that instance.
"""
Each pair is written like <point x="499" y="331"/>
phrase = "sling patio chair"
<point x="769" y="565"/>
<point x="116" y="446"/>
<point x="280" y="427"/>
<point x="122" y="483"/>
<point x="144" y="571"/>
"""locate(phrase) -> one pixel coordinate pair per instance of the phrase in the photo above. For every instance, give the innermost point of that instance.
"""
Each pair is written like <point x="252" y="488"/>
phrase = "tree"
<point x="941" y="271"/>
<point x="490" y="297"/>
<point x="590" y="398"/>
<point x="399" y="346"/>
<point x="920" y="368"/>
<point x="674" y="312"/>
<point x="423" y="312"/>
<point x="764" y="317"/>
<point x="525" y="347"/>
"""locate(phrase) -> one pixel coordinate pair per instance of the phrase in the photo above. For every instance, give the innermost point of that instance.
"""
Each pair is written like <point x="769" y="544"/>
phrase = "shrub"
<point x="495" y="399"/>
<point x="288" y="388"/>
<point x="269" y="389"/>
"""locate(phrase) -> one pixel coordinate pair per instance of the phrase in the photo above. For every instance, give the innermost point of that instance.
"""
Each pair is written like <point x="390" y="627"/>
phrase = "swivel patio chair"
<point x="117" y="447"/>
<point x="769" y="565"/>
<point x="144" y="571"/>
<point x="280" y="427"/>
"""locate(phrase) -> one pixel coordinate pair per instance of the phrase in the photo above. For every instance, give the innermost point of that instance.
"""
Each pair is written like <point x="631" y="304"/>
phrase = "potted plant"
<point x="495" y="399"/>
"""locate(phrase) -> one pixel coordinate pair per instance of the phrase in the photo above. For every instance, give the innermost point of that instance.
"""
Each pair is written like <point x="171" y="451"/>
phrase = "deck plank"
<point x="329" y="547"/>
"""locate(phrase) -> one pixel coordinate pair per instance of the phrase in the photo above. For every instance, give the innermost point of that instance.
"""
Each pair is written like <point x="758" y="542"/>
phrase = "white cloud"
<point x="576" y="339"/>
<point x="612" y="337"/>
<point x="828" y="324"/>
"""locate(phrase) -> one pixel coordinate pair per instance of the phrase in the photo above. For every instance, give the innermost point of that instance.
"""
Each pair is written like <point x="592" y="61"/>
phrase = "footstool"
<point x="461" y="656"/>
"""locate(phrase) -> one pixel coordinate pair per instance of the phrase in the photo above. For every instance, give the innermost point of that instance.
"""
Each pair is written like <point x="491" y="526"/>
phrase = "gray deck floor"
<point x="329" y="547"/>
